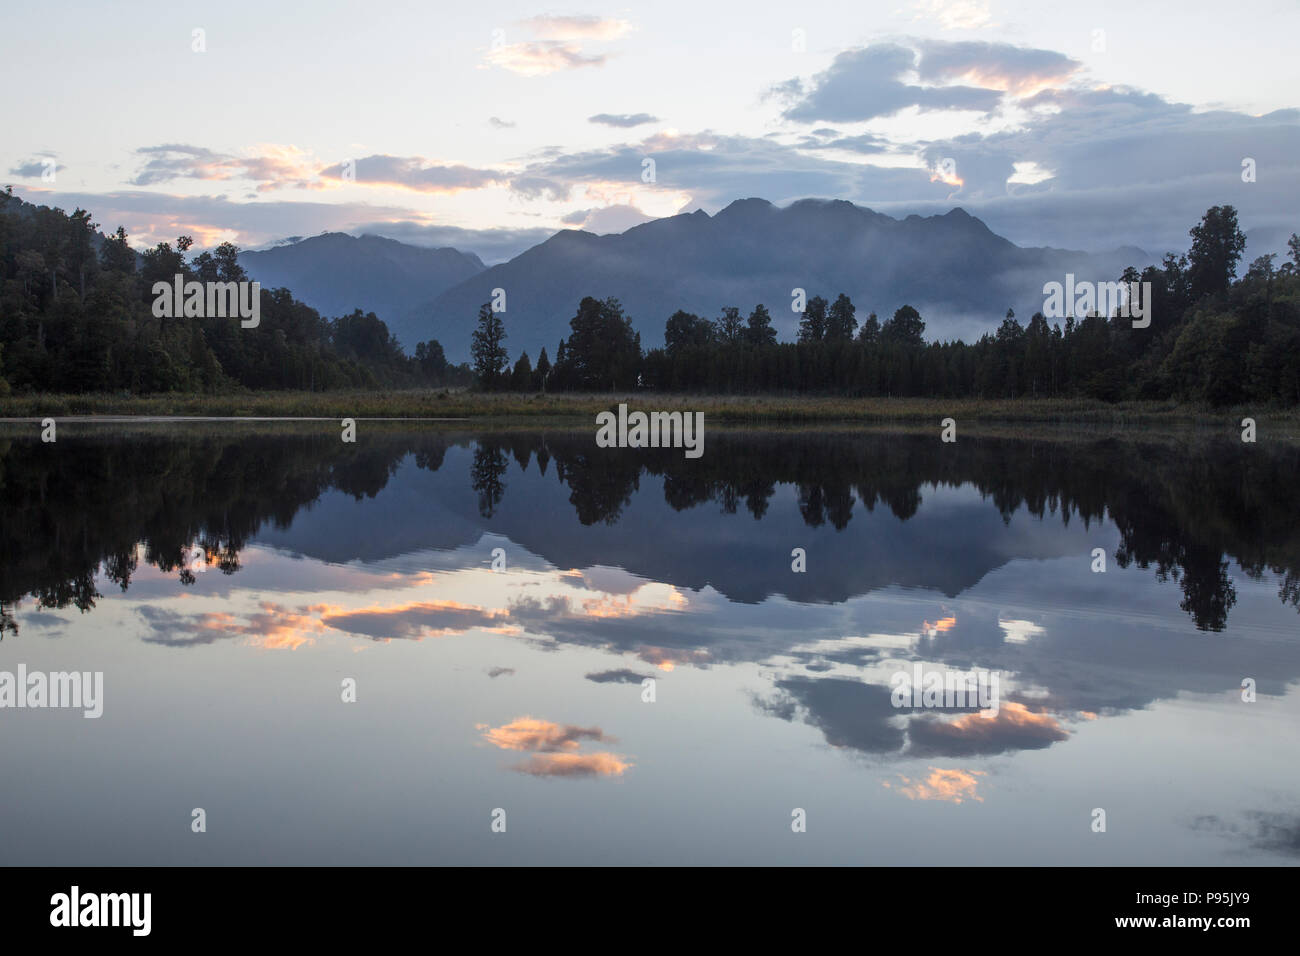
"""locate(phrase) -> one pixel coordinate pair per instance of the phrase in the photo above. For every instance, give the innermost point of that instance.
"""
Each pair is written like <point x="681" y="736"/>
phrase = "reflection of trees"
<point x="485" y="477"/>
<point x="100" y="506"/>
<point x="601" y="484"/>
<point x="1181" y="508"/>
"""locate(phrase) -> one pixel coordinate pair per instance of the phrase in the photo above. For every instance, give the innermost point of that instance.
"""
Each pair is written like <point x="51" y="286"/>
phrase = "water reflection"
<point x="174" y="549"/>
<point x="1183" y="509"/>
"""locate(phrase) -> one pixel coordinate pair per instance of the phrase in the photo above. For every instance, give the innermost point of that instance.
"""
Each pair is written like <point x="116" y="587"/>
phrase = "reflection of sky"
<point x="523" y="690"/>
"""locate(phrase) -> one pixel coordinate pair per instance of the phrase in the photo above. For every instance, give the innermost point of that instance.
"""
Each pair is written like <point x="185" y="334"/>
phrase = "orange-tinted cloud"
<point x="554" y="748"/>
<point x="951" y="786"/>
<point x="539" y="57"/>
<point x="530" y="733"/>
<point x="573" y="765"/>
<point x="1015" y="727"/>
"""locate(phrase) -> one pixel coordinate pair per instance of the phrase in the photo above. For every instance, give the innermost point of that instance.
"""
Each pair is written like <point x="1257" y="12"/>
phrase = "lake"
<point x="446" y="645"/>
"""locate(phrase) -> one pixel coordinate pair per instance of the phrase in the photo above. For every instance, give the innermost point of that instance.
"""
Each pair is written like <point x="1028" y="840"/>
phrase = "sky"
<point x="490" y="126"/>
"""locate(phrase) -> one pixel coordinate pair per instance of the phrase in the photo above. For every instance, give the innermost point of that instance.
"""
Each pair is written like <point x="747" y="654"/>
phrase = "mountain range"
<point x="335" y="273"/>
<point x="960" y="275"/>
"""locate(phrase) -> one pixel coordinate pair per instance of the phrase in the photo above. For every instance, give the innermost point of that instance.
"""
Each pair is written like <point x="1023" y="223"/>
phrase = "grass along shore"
<point x="582" y="408"/>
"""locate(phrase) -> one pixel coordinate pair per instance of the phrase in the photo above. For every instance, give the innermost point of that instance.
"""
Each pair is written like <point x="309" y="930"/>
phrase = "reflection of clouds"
<point x="529" y="733"/>
<point x="1261" y="829"/>
<point x="1015" y="727"/>
<point x="415" y="620"/>
<point x="573" y="765"/>
<point x="274" y="627"/>
<point x="553" y="748"/>
<point x="860" y="716"/>
<point x="952" y="786"/>
<point x="849" y="713"/>
<point x="938" y="627"/>
<point x="620" y="676"/>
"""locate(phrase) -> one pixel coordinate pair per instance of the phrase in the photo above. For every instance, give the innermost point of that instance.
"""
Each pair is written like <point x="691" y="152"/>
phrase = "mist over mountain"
<point x="335" y="273"/>
<point x="959" y="274"/>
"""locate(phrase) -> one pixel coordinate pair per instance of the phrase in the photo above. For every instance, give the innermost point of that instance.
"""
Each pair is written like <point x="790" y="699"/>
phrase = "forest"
<point x="1214" y="339"/>
<point x="76" y="316"/>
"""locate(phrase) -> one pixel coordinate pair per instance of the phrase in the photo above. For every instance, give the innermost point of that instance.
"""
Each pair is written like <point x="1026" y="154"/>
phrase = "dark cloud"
<point x="413" y="621"/>
<point x="997" y="65"/>
<point x="34" y="168"/>
<point x="1261" y="830"/>
<point x="849" y="713"/>
<point x="622" y="120"/>
<point x="622" y="676"/>
<point x="865" y="84"/>
<point x="413" y="173"/>
<point x="1014" y="727"/>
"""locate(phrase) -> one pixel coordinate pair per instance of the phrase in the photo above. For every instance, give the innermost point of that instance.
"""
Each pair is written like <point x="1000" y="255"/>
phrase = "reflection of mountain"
<point x="871" y="510"/>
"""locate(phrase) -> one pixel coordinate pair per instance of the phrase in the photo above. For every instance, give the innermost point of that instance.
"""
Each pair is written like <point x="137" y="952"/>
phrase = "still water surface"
<point x="228" y="579"/>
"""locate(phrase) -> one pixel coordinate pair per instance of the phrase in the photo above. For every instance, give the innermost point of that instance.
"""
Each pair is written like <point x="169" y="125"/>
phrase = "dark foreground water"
<point x="233" y="583"/>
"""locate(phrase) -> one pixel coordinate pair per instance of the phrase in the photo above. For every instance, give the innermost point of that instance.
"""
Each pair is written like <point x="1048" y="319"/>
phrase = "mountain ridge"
<point x="959" y="273"/>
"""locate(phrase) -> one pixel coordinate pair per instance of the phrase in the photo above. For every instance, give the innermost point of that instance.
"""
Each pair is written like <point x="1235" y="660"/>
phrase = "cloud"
<point x="621" y="676"/>
<point x="491" y="245"/>
<point x="414" y="173"/>
<point x="849" y="713"/>
<point x="539" y="57"/>
<point x="1014" y="728"/>
<point x="495" y="672"/>
<point x="1263" y="830"/>
<point x="954" y="14"/>
<point x="1000" y="66"/>
<point x="274" y="627"/>
<point x="950" y="786"/>
<point x="865" y="83"/>
<point x="582" y="27"/>
<point x="499" y="123"/>
<point x="553" y="748"/>
<point x="607" y="219"/>
<point x="414" y="621"/>
<point x="623" y="120"/>
<point x="271" y="166"/>
<point x="34" y="168"/>
<point x="559" y="44"/>
<point x="543" y="736"/>
<point x="573" y="765"/>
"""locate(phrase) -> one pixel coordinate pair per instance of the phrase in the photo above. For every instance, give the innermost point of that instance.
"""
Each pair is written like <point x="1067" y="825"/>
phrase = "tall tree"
<point x="905" y="328"/>
<point x="1217" y="244"/>
<point x="730" y="326"/>
<point x="758" y="330"/>
<point x="489" y="354"/>
<point x="841" y="321"/>
<point x="812" y="327"/>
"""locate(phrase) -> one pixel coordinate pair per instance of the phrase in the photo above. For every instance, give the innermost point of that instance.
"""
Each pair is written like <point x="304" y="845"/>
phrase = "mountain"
<point x="335" y="273"/>
<point x="959" y="274"/>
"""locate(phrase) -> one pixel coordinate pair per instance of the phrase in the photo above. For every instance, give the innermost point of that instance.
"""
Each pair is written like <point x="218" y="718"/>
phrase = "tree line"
<point x="76" y="316"/>
<point x="1214" y="338"/>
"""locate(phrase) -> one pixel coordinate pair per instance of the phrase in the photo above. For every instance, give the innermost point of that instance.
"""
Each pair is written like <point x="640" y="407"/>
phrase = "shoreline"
<point x="580" y="409"/>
